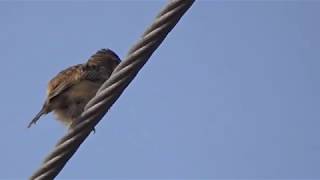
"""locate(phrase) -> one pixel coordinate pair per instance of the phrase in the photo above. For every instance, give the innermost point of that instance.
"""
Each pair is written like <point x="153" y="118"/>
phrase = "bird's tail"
<point x="37" y="117"/>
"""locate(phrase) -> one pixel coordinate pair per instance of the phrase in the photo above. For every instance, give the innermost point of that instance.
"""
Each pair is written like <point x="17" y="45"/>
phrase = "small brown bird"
<point x="70" y="90"/>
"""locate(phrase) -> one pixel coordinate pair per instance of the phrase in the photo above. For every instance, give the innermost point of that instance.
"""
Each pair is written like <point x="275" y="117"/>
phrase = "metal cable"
<point x="110" y="91"/>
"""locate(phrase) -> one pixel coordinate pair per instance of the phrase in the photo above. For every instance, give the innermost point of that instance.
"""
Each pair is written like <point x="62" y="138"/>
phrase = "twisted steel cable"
<point x="110" y="91"/>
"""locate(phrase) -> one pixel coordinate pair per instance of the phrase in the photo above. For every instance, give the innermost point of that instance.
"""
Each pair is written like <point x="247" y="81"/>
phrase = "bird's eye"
<point x="65" y="106"/>
<point x="78" y="101"/>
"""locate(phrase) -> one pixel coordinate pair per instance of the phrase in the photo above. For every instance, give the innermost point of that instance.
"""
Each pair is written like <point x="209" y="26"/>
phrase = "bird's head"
<point x="105" y="57"/>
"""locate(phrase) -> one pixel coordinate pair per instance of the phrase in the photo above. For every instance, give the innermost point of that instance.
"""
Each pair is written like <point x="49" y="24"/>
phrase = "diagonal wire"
<point x="110" y="91"/>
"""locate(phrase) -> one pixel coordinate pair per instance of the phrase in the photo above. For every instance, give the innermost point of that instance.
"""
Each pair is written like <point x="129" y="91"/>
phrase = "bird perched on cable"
<point x="71" y="89"/>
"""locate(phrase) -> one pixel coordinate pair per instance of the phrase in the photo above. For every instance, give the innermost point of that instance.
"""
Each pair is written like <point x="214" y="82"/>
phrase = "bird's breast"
<point x="74" y="101"/>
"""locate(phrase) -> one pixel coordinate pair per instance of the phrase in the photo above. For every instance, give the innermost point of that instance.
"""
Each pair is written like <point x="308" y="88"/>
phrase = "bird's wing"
<point x="64" y="80"/>
<point x="74" y="75"/>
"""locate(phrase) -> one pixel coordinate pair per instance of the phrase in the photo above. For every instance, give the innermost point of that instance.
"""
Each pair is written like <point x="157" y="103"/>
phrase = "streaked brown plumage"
<point x="70" y="90"/>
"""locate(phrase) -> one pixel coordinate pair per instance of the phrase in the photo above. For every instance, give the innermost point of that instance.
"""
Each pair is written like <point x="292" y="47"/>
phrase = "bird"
<point x="71" y="89"/>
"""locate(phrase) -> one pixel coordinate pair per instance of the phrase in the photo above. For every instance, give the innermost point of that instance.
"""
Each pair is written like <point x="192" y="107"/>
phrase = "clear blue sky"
<point x="233" y="92"/>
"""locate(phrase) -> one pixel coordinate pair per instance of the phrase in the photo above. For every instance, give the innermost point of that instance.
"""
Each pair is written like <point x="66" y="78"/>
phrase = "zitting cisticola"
<point x="71" y="89"/>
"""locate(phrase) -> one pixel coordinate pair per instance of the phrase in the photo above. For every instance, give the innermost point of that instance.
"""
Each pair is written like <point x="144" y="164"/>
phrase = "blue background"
<point x="233" y="92"/>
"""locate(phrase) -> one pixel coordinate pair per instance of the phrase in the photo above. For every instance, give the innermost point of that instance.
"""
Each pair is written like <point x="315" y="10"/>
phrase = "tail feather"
<point x="37" y="117"/>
